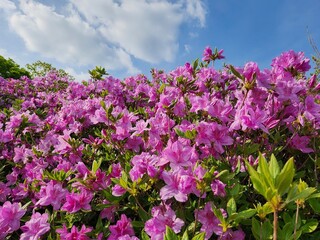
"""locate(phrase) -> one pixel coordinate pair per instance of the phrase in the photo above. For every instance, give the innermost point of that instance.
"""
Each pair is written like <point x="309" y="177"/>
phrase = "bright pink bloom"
<point x="4" y="192"/>
<point x="142" y="164"/>
<point x="140" y="127"/>
<point x="77" y="201"/>
<point x="210" y="223"/>
<point x="10" y="215"/>
<point x="301" y="143"/>
<point x="162" y="216"/>
<point x="128" y="237"/>
<point x="218" y="188"/>
<point x="179" y="155"/>
<point x="108" y="212"/>
<point x="123" y="227"/>
<point x="118" y="191"/>
<point x="35" y="227"/>
<point x="178" y="185"/>
<point x="233" y="235"/>
<point x="251" y="71"/>
<point x="207" y="54"/>
<point x="291" y="60"/>
<point x="75" y="233"/>
<point x="52" y="194"/>
<point x="213" y="133"/>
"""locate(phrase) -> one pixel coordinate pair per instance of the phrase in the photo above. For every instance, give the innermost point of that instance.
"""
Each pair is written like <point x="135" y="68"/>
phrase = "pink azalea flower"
<point x="52" y="194"/>
<point x="4" y="192"/>
<point x="108" y="212"/>
<point x="178" y="154"/>
<point x="77" y="201"/>
<point x="128" y="237"/>
<point x="207" y="54"/>
<point x="301" y="143"/>
<point x="218" y="188"/>
<point x="123" y="227"/>
<point x="143" y="163"/>
<point x="233" y="235"/>
<point x="210" y="223"/>
<point x="250" y="70"/>
<point x="75" y="233"/>
<point x="35" y="227"/>
<point x="162" y="216"/>
<point x="10" y="215"/>
<point x="118" y="191"/>
<point x="178" y="185"/>
<point x="140" y="127"/>
<point x="215" y="133"/>
<point x="291" y="60"/>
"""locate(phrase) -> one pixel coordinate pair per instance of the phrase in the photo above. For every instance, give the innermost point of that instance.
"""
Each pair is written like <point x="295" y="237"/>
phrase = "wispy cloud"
<point x="111" y="33"/>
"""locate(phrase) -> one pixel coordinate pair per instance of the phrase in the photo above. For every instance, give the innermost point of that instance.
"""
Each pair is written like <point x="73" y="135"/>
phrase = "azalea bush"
<point x="196" y="153"/>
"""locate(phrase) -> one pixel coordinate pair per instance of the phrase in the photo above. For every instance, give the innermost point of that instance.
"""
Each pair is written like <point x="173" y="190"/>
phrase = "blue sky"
<point x="128" y="37"/>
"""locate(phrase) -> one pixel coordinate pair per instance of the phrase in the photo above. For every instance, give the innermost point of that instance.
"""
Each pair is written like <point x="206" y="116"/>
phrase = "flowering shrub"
<point x="183" y="156"/>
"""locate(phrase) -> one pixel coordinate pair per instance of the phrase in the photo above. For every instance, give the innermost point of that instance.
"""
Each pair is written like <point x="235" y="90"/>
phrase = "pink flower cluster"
<point x="71" y="149"/>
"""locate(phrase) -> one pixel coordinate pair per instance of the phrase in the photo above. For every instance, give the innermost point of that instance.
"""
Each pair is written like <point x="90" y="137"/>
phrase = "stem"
<point x="275" y="224"/>
<point x="296" y="223"/>
<point x="315" y="162"/>
<point x="261" y="231"/>
<point x="196" y="216"/>
<point x="137" y="201"/>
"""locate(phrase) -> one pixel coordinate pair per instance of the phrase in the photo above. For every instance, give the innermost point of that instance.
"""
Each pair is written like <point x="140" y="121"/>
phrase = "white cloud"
<point x="147" y="30"/>
<point x="7" y="5"/>
<point x="109" y="33"/>
<point x="196" y="10"/>
<point x="187" y="48"/>
<point x="78" y="76"/>
<point x="67" y="39"/>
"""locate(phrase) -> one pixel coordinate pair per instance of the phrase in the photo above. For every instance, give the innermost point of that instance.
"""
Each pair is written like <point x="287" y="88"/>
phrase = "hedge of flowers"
<point x="196" y="153"/>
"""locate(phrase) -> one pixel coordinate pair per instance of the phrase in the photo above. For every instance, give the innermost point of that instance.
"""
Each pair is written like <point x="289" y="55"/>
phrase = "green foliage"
<point x="97" y="73"/>
<point x="10" y="69"/>
<point x="41" y="69"/>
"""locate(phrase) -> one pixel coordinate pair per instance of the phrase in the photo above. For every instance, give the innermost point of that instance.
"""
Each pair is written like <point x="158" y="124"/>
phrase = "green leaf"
<point x="263" y="168"/>
<point x="257" y="180"/>
<point x="179" y="132"/>
<point x="218" y="214"/>
<point x="274" y="167"/>
<point x="185" y="235"/>
<point x="195" y="64"/>
<point x="143" y="215"/>
<point x="144" y="235"/>
<point x="261" y="230"/>
<point x="285" y="177"/>
<point x="310" y="226"/>
<point x="286" y="231"/>
<point x="191" y="134"/>
<point x="170" y="235"/>
<point x="315" y="204"/>
<point x="235" y="72"/>
<point x="231" y="206"/>
<point x="245" y="214"/>
<point x="315" y="195"/>
<point x="138" y="224"/>
<point x="304" y="194"/>
<point x="199" y="236"/>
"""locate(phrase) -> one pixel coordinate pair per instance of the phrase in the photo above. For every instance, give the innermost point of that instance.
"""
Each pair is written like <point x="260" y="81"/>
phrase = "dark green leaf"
<point x="284" y="179"/>
<point x="199" y="236"/>
<point x="310" y="226"/>
<point x="235" y="72"/>
<point x="274" y="167"/>
<point x="170" y="235"/>
<point x="231" y="206"/>
<point x="257" y="180"/>
<point x="185" y="235"/>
